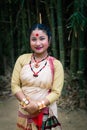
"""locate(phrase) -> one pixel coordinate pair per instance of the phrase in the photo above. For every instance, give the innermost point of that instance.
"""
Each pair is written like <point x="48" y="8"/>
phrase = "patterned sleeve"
<point x="57" y="82"/>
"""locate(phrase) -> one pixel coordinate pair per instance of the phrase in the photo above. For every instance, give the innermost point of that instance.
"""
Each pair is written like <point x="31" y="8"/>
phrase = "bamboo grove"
<point x="68" y="23"/>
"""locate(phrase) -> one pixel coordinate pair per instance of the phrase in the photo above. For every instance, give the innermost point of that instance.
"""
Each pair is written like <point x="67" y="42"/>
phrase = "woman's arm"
<point x="58" y="82"/>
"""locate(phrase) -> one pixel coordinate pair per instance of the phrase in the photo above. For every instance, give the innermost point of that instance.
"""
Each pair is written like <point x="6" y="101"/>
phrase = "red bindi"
<point x="37" y="34"/>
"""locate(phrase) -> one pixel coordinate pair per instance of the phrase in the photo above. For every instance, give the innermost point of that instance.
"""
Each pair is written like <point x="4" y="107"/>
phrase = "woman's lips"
<point x="38" y="48"/>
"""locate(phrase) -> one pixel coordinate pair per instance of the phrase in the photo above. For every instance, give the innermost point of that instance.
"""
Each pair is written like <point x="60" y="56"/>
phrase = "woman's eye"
<point x="42" y="38"/>
<point x="33" y="39"/>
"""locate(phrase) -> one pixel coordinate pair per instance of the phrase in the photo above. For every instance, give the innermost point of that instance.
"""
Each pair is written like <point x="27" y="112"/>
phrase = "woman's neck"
<point x="40" y="56"/>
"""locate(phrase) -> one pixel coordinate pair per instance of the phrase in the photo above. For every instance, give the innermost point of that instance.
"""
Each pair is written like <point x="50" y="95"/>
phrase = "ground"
<point x="70" y="120"/>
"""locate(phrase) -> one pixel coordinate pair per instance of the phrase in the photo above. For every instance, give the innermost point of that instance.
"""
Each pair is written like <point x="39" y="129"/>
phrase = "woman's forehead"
<point x="38" y="32"/>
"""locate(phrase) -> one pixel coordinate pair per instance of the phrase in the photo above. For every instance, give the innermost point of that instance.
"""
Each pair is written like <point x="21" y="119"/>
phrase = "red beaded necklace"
<point x="35" y="74"/>
<point x="37" y="62"/>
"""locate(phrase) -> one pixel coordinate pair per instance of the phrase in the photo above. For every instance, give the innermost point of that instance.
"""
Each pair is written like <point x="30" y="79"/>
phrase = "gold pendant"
<point x="37" y="65"/>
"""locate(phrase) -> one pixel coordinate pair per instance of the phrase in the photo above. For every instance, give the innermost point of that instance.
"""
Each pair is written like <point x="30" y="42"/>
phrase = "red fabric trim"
<point x="21" y="126"/>
<point x="51" y="59"/>
<point x="38" y="120"/>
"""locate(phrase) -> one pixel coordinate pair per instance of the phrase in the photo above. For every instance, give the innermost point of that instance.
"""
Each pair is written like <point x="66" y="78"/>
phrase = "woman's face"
<point x="39" y="41"/>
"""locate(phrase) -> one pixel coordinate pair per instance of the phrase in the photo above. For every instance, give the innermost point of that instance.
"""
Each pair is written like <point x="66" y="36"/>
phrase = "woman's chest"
<point x="43" y="78"/>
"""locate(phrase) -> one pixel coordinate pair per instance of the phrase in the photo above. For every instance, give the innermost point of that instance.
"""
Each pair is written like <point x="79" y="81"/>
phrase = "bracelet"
<point x="41" y="105"/>
<point x="24" y="102"/>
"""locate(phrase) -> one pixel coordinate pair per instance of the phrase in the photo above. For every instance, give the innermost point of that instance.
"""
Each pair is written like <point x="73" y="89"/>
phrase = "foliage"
<point x="72" y="96"/>
<point x="76" y="21"/>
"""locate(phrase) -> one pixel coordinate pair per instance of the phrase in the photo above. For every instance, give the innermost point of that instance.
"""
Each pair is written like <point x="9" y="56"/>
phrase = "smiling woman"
<point x="39" y="42"/>
<point x="37" y="82"/>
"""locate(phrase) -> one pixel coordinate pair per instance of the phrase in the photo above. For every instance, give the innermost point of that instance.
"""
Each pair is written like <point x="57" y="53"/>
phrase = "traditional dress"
<point x="38" y="88"/>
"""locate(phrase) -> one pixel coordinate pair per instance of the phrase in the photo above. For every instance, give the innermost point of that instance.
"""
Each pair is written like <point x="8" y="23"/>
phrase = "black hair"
<point x="43" y="28"/>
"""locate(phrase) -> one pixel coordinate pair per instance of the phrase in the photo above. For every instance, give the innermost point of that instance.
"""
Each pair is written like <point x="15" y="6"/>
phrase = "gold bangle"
<point x="24" y="102"/>
<point x="41" y="105"/>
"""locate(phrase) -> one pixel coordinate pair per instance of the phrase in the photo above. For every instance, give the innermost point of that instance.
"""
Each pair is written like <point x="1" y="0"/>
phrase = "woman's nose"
<point x="38" y="42"/>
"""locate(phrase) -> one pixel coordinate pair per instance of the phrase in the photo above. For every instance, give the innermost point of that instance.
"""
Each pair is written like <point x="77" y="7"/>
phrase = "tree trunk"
<point x="25" y="46"/>
<point x="54" y="47"/>
<point x="11" y="35"/>
<point x="74" y="42"/>
<point x="29" y="14"/>
<point x="74" y="54"/>
<point x="60" y="31"/>
<point x="81" y="59"/>
<point x="37" y="11"/>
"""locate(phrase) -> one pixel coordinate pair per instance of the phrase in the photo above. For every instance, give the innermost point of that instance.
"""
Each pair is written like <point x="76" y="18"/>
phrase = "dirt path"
<point x="73" y="120"/>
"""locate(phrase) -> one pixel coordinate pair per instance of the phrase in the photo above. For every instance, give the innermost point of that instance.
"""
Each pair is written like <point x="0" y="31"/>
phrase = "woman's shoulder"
<point x="24" y="58"/>
<point x="26" y="55"/>
<point x="56" y="61"/>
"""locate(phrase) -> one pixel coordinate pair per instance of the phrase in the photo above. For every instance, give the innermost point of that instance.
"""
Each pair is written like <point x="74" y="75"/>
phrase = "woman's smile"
<point x="38" y="48"/>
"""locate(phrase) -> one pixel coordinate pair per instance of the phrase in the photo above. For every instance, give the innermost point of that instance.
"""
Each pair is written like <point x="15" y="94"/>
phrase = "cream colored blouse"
<point x="22" y="76"/>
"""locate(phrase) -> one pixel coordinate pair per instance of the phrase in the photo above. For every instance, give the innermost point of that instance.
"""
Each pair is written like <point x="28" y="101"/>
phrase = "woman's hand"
<point x="32" y="107"/>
